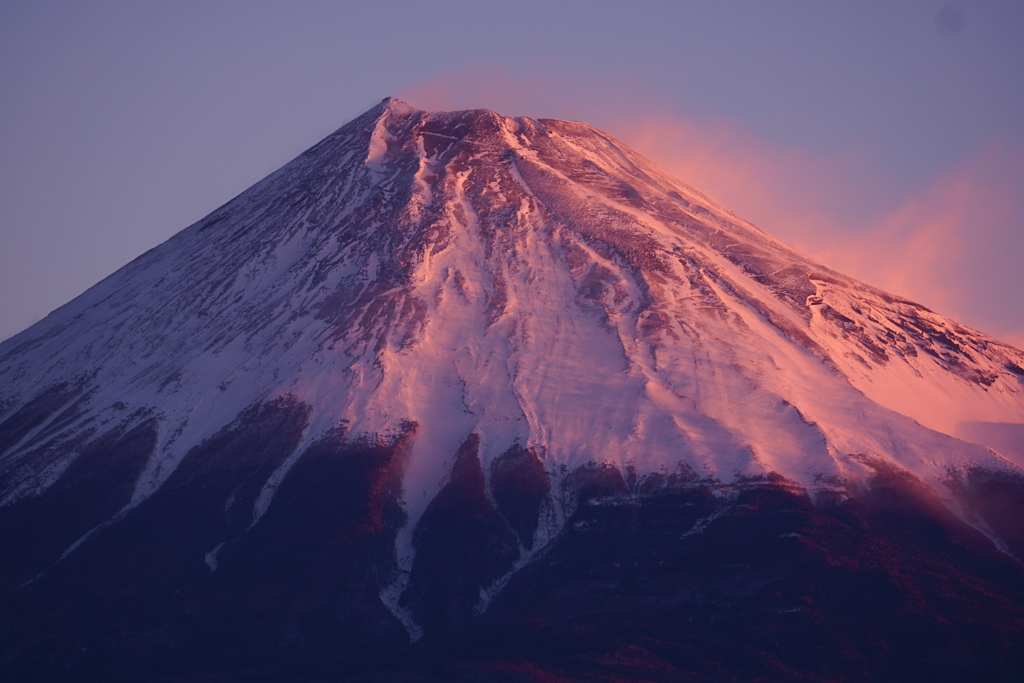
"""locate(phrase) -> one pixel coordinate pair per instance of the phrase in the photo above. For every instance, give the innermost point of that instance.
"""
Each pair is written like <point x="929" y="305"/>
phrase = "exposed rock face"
<point x="499" y="398"/>
<point x="462" y="546"/>
<point x="520" y="487"/>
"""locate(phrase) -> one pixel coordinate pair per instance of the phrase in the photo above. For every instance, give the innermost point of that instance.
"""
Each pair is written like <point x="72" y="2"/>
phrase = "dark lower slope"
<point x="759" y="585"/>
<point x="36" y="531"/>
<point x="768" y="586"/>
<point x="685" y="582"/>
<point x="141" y="599"/>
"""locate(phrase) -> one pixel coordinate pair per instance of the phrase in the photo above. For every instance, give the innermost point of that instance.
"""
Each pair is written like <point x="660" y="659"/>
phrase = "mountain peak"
<point x="462" y="325"/>
<point x="415" y="266"/>
<point x="397" y="106"/>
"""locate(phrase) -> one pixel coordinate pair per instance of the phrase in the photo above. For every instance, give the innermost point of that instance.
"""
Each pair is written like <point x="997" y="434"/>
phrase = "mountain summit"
<point x="356" y="405"/>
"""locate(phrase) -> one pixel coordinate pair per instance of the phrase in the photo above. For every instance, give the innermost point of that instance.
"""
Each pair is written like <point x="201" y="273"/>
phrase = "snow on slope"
<point x="534" y="282"/>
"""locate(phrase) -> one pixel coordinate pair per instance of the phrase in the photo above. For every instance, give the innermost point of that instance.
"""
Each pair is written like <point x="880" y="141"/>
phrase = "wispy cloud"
<point x="563" y="92"/>
<point x="955" y="245"/>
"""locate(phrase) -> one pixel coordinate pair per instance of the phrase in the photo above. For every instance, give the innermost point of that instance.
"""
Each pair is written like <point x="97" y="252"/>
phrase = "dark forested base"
<point x="757" y="583"/>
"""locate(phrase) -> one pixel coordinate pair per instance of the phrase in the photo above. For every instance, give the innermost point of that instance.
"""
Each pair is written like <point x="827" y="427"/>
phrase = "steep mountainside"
<point x="378" y="395"/>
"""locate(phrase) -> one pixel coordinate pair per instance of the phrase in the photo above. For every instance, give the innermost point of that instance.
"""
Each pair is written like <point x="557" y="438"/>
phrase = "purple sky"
<point x="884" y="138"/>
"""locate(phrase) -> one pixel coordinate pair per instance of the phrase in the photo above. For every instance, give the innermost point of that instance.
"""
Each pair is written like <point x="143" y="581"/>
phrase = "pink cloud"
<point x="563" y="93"/>
<point x="956" y="245"/>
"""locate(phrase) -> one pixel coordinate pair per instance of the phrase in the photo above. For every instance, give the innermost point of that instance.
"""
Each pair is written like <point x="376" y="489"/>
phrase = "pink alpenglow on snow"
<point x="534" y="282"/>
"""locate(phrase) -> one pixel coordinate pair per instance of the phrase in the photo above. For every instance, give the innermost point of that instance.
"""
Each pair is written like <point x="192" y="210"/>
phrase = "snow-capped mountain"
<point x="451" y="316"/>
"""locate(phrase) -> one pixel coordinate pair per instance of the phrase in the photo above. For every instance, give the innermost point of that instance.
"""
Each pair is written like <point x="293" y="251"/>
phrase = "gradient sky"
<point x="886" y="139"/>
